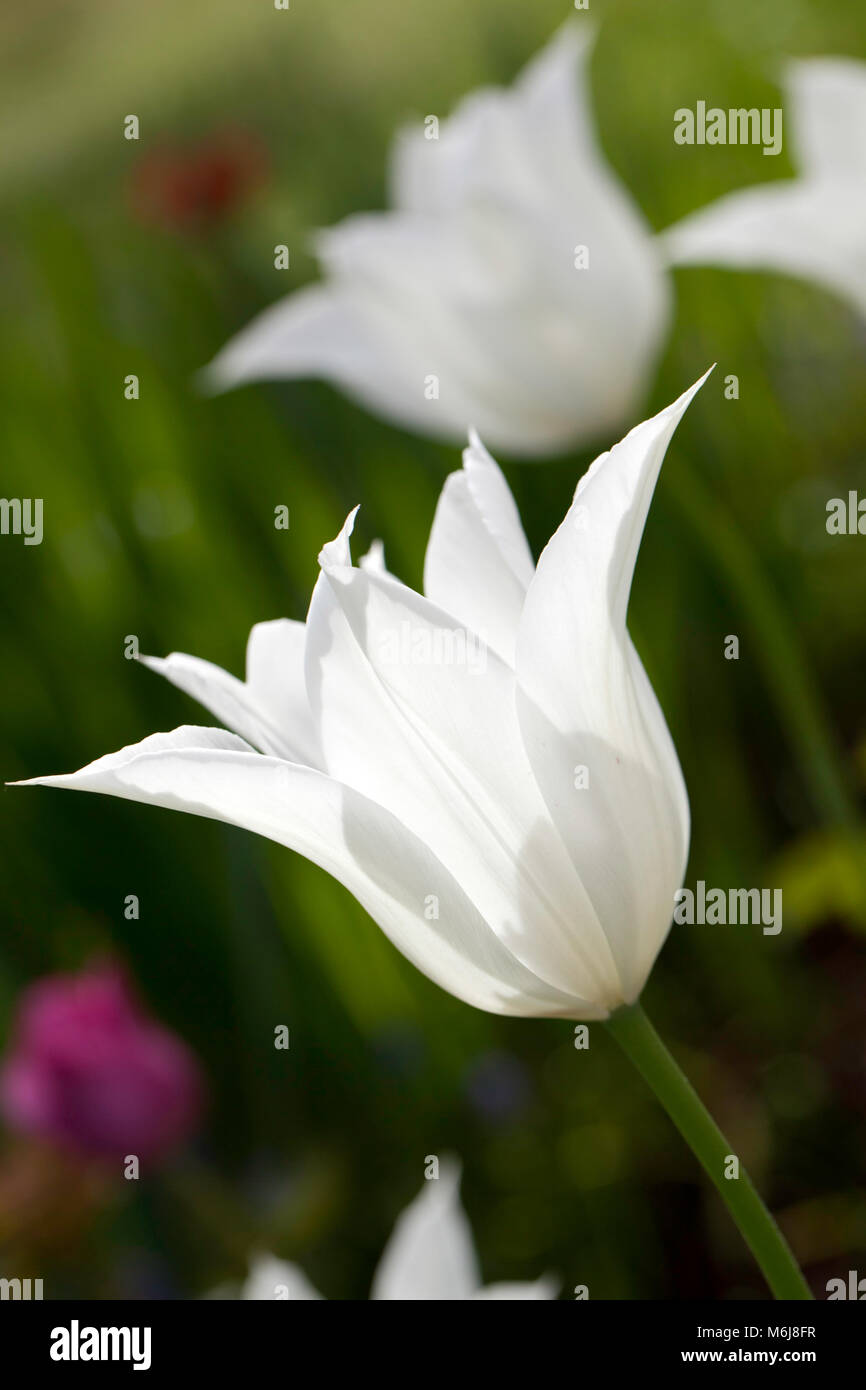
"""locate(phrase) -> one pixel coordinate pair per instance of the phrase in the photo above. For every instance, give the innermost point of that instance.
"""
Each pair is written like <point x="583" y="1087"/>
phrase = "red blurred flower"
<point x="194" y="187"/>
<point x="91" y="1071"/>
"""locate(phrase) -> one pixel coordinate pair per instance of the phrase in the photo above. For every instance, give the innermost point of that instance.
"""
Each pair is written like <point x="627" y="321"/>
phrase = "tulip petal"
<point x="275" y="678"/>
<point x="519" y="174"/>
<point x="387" y="669"/>
<point x="504" y="141"/>
<point x="391" y="872"/>
<point x="314" y="332"/>
<point x="585" y="703"/>
<point x="422" y="287"/>
<point x="431" y="1254"/>
<point x="374" y="558"/>
<point x="270" y="710"/>
<point x="478" y="564"/>
<point x="812" y="229"/>
<point x="223" y="694"/>
<point x="482" y="305"/>
<point x="270" y="1278"/>
<point x="466" y="305"/>
<point x="554" y="99"/>
<point x="827" y="97"/>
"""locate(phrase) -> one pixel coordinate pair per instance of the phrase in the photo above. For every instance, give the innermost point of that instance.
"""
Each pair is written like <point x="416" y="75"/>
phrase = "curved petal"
<point x="387" y="669"/>
<point x="221" y="693"/>
<point x="270" y="1278"/>
<point x="382" y="327"/>
<point x="315" y="332"/>
<point x="478" y="564"/>
<point x="584" y="702"/>
<point x="430" y="1254"/>
<point x="225" y="696"/>
<point x="212" y="773"/>
<point x="270" y="710"/>
<point x="813" y="229"/>
<point x="827" y="97"/>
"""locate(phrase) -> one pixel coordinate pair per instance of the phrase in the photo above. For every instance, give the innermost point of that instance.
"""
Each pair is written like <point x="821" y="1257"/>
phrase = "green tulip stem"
<point x="642" y="1045"/>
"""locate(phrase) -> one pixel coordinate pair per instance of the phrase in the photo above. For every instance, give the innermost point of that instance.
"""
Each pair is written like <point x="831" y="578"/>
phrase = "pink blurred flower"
<point x="91" y="1071"/>
<point x="190" y="188"/>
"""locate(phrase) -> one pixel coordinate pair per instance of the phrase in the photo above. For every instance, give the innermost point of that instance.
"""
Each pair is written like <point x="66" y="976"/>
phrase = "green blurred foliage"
<point x="158" y="522"/>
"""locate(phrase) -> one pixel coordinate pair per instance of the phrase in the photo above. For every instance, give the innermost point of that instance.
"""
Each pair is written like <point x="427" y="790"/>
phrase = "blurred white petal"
<point x="374" y="559"/>
<point x="812" y="227"/>
<point x="273" y="1279"/>
<point x="814" y="231"/>
<point x="827" y="101"/>
<point x="310" y="333"/>
<point x="430" y="1254"/>
<point x="465" y="306"/>
<point x="543" y="1288"/>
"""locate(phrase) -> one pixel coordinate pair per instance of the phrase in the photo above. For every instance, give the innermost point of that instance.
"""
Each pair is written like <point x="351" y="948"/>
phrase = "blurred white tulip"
<point x="814" y="226"/>
<point x="485" y="768"/>
<point x="430" y="1255"/>
<point x="515" y="287"/>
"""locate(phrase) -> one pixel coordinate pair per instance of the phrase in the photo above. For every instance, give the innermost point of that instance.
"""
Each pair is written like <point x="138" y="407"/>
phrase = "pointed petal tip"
<point x="476" y="451"/>
<point x="677" y="408"/>
<point x="577" y="36"/>
<point x="164" y="665"/>
<point x="337" y="554"/>
<point x="687" y="396"/>
<point x="674" y="412"/>
<point x="661" y="425"/>
<point x="50" y="779"/>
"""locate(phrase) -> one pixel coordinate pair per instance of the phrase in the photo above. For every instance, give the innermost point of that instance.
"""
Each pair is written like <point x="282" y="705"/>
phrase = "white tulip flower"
<point x="515" y="286"/>
<point x="429" y="1256"/>
<point x="486" y="767"/>
<point x="814" y="226"/>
